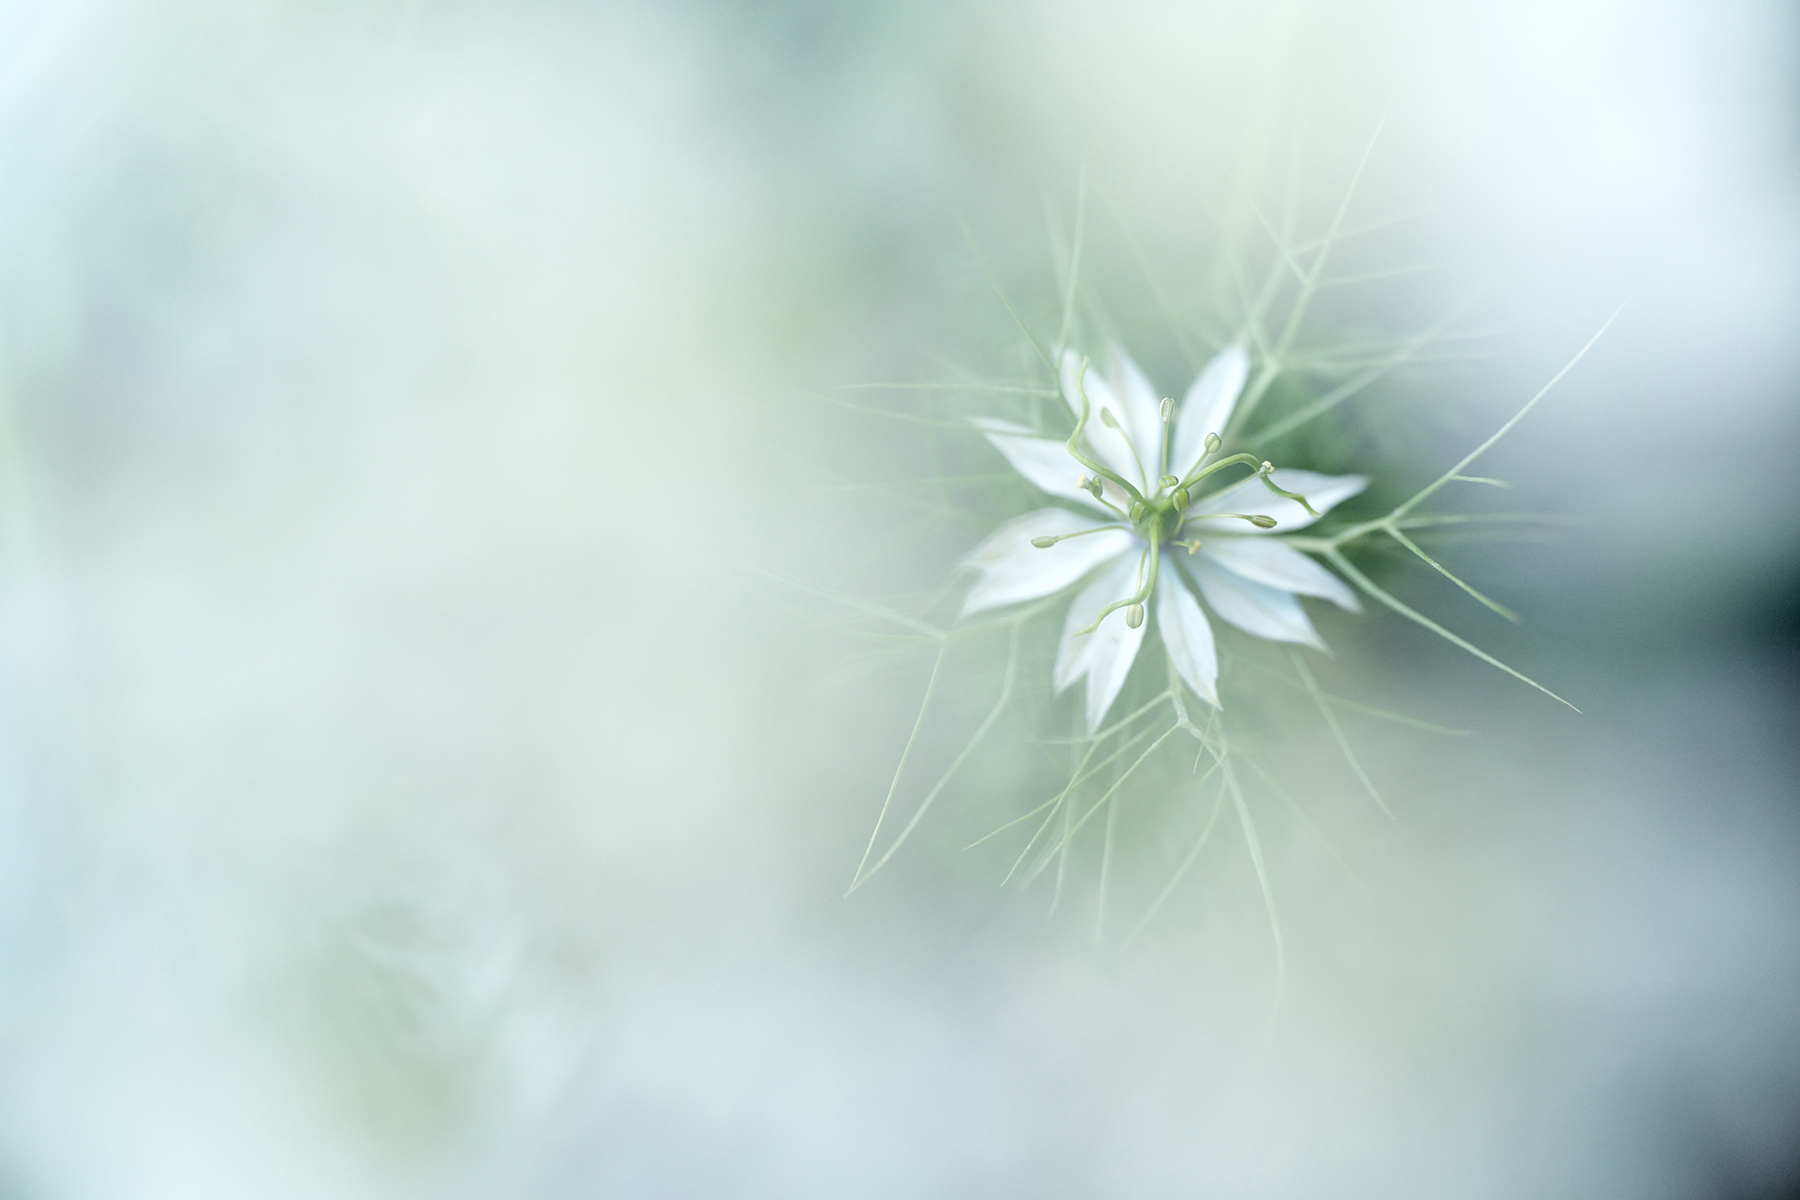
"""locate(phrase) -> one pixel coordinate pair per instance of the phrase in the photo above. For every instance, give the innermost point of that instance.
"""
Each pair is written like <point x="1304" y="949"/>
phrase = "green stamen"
<point x="1296" y="496"/>
<point x="1112" y="423"/>
<point x="1260" y="520"/>
<point x="1154" y="554"/>
<point x="1049" y="540"/>
<point x="1248" y="460"/>
<point x="1092" y="487"/>
<point x="1168" y="413"/>
<point x="1075" y="437"/>
<point x="1262" y="472"/>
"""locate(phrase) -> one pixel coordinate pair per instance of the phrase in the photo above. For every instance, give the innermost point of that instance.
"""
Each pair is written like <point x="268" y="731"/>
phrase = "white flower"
<point x="1145" y="467"/>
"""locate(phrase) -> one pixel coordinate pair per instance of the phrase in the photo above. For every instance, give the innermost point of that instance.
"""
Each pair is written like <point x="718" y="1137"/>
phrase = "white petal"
<point x="1108" y="446"/>
<point x="1105" y="655"/>
<point x="1069" y="370"/>
<point x="1044" y="461"/>
<point x="1323" y="492"/>
<point x="1071" y="651"/>
<point x="1267" y="560"/>
<point x="1187" y="637"/>
<point x="1140" y="411"/>
<point x="1253" y="607"/>
<point x="1207" y="406"/>
<point x="1013" y="570"/>
<point x="1109" y="658"/>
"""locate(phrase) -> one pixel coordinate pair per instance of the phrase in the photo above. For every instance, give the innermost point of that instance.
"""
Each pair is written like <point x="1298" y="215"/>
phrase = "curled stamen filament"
<point x="1248" y="460"/>
<point x="1075" y="439"/>
<point x="1263" y="468"/>
<point x="1152" y="554"/>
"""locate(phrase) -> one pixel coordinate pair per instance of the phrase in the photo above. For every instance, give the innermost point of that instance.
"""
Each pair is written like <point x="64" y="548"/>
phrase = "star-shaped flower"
<point x="1146" y="468"/>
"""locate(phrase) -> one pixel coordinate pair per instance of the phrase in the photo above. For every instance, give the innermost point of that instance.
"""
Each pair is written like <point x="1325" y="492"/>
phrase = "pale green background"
<point x="407" y="790"/>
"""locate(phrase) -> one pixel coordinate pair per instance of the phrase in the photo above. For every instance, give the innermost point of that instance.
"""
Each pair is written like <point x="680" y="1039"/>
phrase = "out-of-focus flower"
<point x="1145" y="470"/>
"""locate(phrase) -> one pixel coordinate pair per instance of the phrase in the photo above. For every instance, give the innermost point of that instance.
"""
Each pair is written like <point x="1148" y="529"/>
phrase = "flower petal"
<point x="1071" y="651"/>
<point x="1013" y="570"/>
<point x="1105" y="655"/>
<point x="1187" y="637"/>
<point x="1253" y="607"/>
<point x="1044" y="461"/>
<point x="1116" y="583"/>
<point x="1114" y="648"/>
<point x="1140" y="411"/>
<point x="1269" y="561"/>
<point x="1108" y="446"/>
<point x="1323" y="492"/>
<point x="1207" y="406"/>
<point x="1068" y="372"/>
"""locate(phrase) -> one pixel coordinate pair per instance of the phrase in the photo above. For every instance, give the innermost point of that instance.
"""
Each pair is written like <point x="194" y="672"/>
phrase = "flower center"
<point x="1160" y="515"/>
<point x="1158" y="518"/>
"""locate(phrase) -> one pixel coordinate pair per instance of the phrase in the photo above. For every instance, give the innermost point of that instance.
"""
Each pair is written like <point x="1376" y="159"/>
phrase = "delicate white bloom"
<point x="1148" y="463"/>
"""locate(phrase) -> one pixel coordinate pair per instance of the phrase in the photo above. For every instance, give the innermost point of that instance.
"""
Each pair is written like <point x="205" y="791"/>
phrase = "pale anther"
<point x="1168" y="409"/>
<point x="1134" y="616"/>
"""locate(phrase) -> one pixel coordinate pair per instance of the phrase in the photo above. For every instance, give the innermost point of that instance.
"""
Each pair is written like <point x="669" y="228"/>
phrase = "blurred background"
<point x="410" y="785"/>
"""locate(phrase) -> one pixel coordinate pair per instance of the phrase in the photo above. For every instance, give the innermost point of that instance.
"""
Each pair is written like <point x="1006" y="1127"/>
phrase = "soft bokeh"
<point x="413" y="782"/>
